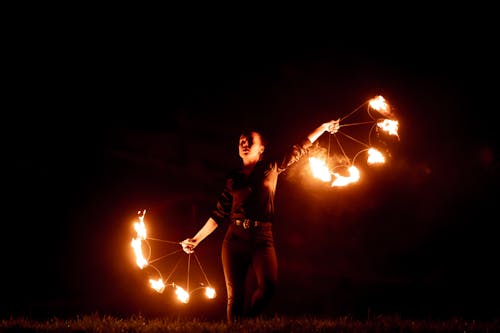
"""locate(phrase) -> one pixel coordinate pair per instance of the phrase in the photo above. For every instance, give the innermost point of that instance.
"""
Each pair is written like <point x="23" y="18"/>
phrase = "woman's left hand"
<point x="333" y="126"/>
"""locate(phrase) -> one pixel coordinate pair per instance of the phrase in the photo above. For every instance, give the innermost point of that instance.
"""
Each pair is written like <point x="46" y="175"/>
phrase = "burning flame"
<point x="157" y="285"/>
<point x="140" y="229"/>
<point x="319" y="169"/>
<point x="343" y="180"/>
<point x="210" y="292"/>
<point x="374" y="156"/>
<point x="380" y="104"/>
<point x="389" y="126"/>
<point x="182" y="295"/>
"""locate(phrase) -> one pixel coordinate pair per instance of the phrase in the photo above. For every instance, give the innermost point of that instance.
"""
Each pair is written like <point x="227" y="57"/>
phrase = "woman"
<point x="247" y="204"/>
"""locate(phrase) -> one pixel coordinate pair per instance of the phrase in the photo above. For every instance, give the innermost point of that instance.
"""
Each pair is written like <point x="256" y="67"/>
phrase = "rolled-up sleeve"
<point x="294" y="154"/>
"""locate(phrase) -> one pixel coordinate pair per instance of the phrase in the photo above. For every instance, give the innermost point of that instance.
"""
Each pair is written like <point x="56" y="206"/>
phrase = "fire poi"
<point x="337" y="170"/>
<point x="142" y="241"/>
<point x="341" y="170"/>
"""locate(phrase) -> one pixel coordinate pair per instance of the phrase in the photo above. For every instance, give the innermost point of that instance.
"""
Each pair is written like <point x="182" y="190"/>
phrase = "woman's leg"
<point x="265" y="265"/>
<point x="235" y="262"/>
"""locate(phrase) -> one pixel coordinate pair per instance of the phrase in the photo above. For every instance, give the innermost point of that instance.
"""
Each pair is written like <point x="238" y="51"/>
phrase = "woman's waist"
<point x="248" y="223"/>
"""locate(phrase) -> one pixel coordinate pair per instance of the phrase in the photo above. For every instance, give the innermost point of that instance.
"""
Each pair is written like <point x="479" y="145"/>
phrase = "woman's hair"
<point x="248" y="133"/>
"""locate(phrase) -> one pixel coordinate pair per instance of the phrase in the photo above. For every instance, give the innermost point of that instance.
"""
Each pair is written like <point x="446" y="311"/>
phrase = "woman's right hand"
<point x="188" y="245"/>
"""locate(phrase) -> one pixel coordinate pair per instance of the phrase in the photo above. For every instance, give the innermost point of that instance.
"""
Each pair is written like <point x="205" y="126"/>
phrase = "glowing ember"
<point x="374" y="156"/>
<point x="343" y="181"/>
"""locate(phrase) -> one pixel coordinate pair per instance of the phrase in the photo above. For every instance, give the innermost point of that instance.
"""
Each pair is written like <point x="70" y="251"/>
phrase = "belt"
<point x="247" y="223"/>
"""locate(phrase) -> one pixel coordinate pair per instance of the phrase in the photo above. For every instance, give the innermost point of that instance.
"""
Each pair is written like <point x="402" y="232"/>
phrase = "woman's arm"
<point x="298" y="150"/>
<point x="189" y="244"/>
<point x="332" y="126"/>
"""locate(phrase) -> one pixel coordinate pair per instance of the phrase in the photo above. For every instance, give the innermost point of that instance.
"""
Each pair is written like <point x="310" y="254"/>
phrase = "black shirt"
<point x="252" y="196"/>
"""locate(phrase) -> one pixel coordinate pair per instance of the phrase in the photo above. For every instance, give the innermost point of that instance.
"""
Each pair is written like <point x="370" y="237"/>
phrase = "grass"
<point x="138" y="323"/>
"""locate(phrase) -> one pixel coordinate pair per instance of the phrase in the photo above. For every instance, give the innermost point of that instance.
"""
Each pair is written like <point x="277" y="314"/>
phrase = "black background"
<point x="107" y="115"/>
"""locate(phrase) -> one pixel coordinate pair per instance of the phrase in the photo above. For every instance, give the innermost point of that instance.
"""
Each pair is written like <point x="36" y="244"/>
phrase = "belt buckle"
<point x="246" y="223"/>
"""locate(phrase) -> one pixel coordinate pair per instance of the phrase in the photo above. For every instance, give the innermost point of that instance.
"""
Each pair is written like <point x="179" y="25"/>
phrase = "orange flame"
<point x="182" y="295"/>
<point x="375" y="156"/>
<point x="157" y="285"/>
<point x="141" y="234"/>
<point x="210" y="292"/>
<point x="343" y="180"/>
<point x="389" y="126"/>
<point x="380" y="104"/>
<point x="319" y="169"/>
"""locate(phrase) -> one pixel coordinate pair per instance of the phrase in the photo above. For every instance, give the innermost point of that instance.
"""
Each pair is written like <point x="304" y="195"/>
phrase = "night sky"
<point x="104" y="122"/>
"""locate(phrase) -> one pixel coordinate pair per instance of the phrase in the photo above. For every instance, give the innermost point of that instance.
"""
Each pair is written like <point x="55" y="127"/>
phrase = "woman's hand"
<point x="188" y="245"/>
<point x="333" y="126"/>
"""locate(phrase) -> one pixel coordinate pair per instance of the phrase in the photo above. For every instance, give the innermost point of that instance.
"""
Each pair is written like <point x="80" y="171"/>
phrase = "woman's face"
<point x="250" y="146"/>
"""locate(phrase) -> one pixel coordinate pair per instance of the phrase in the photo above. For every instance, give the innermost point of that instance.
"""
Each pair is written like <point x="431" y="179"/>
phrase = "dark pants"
<point x="242" y="250"/>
